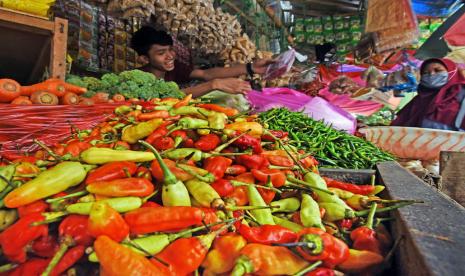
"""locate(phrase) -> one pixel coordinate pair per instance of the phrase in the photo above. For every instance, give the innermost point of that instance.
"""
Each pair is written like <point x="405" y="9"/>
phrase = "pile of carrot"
<point x="48" y="92"/>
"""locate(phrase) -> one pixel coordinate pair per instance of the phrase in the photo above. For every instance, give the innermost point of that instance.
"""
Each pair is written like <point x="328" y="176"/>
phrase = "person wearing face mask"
<point x="155" y="49"/>
<point x="440" y="101"/>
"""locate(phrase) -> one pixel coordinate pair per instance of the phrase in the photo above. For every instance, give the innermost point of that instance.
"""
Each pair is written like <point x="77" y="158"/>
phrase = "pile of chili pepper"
<point x="331" y="147"/>
<point x="176" y="187"/>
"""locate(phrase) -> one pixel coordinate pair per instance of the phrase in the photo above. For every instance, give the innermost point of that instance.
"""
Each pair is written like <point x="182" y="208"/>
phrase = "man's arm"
<point x="259" y="67"/>
<point x="230" y="85"/>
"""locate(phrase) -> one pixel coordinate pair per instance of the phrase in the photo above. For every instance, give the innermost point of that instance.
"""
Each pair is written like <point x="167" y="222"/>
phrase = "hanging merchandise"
<point x="36" y="7"/>
<point x="393" y="22"/>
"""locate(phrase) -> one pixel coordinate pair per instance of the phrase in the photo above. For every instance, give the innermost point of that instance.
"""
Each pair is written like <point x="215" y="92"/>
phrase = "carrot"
<point x="44" y="97"/>
<point x="101" y="97"/>
<point x="86" y="101"/>
<point x="9" y="90"/>
<point x="69" y="98"/>
<point x="69" y="87"/>
<point x="118" y="98"/>
<point x="22" y="100"/>
<point x="52" y="86"/>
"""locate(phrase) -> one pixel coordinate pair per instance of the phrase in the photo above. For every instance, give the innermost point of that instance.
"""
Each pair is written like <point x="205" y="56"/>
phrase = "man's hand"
<point x="259" y="66"/>
<point x="231" y="85"/>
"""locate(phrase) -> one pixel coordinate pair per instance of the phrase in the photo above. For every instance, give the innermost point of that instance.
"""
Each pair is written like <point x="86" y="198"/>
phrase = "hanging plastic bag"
<point x="282" y="65"/>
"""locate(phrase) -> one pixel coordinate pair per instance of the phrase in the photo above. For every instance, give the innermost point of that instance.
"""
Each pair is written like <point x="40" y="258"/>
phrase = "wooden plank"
<point x="452" y="170"/>
<point x="20" y="18"/>
<point x="433" y="232"/>
<point x="58" y="48"/>
<point x="351" y="176"/>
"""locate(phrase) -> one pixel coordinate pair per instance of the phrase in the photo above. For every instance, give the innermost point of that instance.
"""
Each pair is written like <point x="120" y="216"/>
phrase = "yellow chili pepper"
<point x="132" y="134"/>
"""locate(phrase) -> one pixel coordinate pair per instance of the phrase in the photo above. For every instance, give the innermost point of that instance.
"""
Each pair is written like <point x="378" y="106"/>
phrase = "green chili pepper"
<point x="174" y="193"/>
<point x="204" y="194"/>
<point x="104" y="155"/>
<point x="341" y="193"/>
<point x="120" y="204"/>
<point x="190" y="110"/>
<point x="310" y="212"/>
<point x="217" y="120"/>
<point x="287" y="205"/>
<point x="288" y="224"/>
<point x="317" y="181"/>
<point x="192" y="123"/>
<point x="263" y="216"/>
<point x="335" y="212"/>
<point x="121" y="110"/>
<point x="194" y="154"/>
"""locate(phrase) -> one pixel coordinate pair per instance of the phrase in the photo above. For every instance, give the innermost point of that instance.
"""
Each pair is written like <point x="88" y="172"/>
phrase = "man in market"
<point x="155" y="48"/>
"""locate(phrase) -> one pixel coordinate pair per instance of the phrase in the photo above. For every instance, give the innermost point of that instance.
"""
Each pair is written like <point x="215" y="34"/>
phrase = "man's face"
<point x="162" y="57"/>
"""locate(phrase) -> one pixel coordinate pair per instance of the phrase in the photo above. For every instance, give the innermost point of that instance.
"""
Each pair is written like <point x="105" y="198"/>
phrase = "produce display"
<point x="127" y="85"/>
<point x="331" y="147"/>
<point x="174" y="187"/>
<point x="49" y="92"/>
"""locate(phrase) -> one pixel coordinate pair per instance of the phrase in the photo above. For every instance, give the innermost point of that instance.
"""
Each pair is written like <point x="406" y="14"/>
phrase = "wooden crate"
<point x="432" y="234"/>
<point x="30" y="44"/>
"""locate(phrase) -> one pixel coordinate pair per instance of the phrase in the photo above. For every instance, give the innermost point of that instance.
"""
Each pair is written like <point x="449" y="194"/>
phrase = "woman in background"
<point x="440" y="101"/>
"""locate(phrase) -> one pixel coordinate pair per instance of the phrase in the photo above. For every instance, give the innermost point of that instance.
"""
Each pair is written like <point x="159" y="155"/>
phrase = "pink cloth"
<point x="365" y="108"/>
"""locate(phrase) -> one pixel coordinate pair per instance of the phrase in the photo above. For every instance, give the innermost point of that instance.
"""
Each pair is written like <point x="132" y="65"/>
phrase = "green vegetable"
<point x="131" y="84"/>
<point x="332" y="148"/>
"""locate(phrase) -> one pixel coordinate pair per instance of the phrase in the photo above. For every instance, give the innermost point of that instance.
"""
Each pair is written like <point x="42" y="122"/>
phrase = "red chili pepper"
<point x="33" y="267"/>
<point x="223" y="187"/>
<point x="18" y="236"/>
<point x="364" y="237"/>
<point x="208" y="142"/>
<point x="217" y="165"/>
<point x="148" y="220"/>
<point x="346" y="224"/>
<point x="18" y="157"/>
<point x="247" y="141"/>
<point x="38" y="206"/>
<point x="68" y="260"/>
<point x="179" y="133"/>
<point x="121" y="145"/>
<point x="228" y="111"/>
<point x="276" y="133"/>
<point x="112" y="171"/>
<point x="76" y="147"/>
<point x="159" y="132"/>
<point x="163" y="143"/>
<point x="189" y="143"/>
<point x="267" y="234"/>
<point x="278" y="158"/>
<point x="267" y="194"/>
<point x="278" y="178"/>
<point x="151" y="204"/>
<point x="122" y="187"/>
<point x="75" y="226"/>
<point x="253" y="161"/>
<point x="235" y="170"/>
<point x="144" y="172"/>
<point x="24" y="170"/>
<point x="332" y="251"/>
<point x="104" y="220"/>
<point x="321" y="271"/>
<point x="296" y="218"/>
<point x="185" y="255"/>
<point x="353" y="188"/>
<point x="45" y="246"/>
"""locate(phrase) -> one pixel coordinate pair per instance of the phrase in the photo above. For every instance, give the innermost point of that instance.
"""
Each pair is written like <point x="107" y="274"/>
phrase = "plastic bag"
<point x="315" y="107"/>
<point x="47" y="123"/>
<point x="236" y="101"/>
<point x="282" y="65"/>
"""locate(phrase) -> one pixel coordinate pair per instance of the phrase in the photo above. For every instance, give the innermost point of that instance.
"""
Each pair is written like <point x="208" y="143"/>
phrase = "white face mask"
<point x="437" y="80"/>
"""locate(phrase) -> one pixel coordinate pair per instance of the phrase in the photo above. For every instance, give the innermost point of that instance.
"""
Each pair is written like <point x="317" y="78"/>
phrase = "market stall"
<point x="111" y="170"/>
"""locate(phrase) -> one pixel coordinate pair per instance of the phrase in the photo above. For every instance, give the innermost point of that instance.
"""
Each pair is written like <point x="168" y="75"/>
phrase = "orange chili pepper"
<point x="104" y="220"/>
<point x="122" y="187"/>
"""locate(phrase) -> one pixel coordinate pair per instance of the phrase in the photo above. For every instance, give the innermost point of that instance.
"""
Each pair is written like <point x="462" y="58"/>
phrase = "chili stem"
<point x="145" y="199"/>
<point x="371" y="216"/>
<point x="308" y="269"/>
<point x="205" y="178"/>
<point x="169" y="177"/>
<point x="373" y="180"/>
<point x="67" y="242"/>
<point x="225" y="145"/>
<point x="238" y="183"/>
<point x="301" y="182"/>
<point x="252" y="218"/>
<point x="238" y="208"/>
<point x="48" y="221"/>
<point x="52" y="200"/>
<point x="385" y="209"/>
<point x="47" y="149"/>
